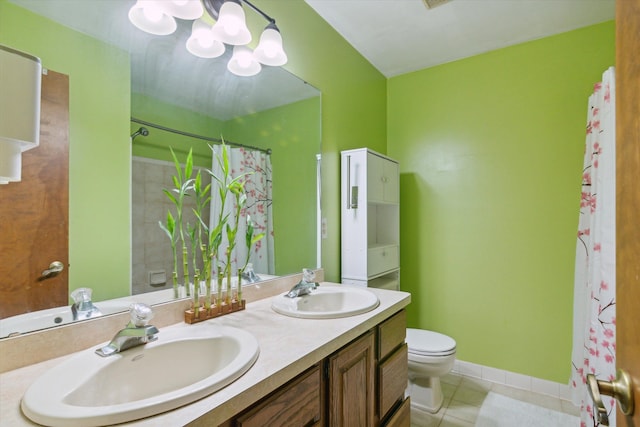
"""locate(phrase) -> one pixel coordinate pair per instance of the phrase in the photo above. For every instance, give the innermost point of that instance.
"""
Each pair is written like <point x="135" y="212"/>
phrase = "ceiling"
<point x="400" y="36"/>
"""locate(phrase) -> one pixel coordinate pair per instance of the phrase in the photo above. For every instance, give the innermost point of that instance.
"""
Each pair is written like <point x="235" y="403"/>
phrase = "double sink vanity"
<point x="334" y="357"/>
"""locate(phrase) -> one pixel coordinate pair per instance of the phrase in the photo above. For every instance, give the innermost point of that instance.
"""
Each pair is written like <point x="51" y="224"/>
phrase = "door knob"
<point x="54" y="268"/>
<point x="620" y="389"/>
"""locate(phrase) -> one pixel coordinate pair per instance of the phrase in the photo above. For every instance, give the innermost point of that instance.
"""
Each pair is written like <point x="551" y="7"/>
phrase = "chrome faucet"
<point x="305" y="286"/>
<point x="137" y="332"/>
<point x="82" y="307"/>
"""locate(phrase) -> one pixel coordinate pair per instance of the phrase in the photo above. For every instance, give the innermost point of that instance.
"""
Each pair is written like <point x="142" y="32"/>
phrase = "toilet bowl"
<point x="431" y="356"/>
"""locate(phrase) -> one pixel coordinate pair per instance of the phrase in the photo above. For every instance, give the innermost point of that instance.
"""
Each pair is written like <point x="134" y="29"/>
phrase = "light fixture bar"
<point x="257" y="9"/>
<point x="213" y="8"/>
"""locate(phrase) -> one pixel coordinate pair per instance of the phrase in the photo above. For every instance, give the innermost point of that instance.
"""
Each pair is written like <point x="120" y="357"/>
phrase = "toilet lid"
<point x="429" y="343"/>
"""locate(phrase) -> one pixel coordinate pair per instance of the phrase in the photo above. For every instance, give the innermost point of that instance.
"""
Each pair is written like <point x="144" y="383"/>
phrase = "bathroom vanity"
<point x="362" y="383"/>
<point x="308" y="372"/>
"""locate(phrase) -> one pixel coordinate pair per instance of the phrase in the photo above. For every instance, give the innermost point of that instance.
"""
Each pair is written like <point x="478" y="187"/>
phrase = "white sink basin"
<point x="183" y="365"/>
<point x="327" y="302"/>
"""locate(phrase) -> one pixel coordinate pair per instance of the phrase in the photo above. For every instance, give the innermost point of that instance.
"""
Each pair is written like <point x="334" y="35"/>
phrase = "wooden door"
<point x="351" y="384"/>
<point x="34" y="212"/>
<point x="628" y="196"/>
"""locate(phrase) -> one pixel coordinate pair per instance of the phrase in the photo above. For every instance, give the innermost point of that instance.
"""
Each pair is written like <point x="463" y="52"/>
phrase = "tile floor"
<point x="463" y="397"/>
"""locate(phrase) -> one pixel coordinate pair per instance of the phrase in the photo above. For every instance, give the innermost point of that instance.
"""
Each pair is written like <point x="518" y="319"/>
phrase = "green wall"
<point x="99" y="199"/>
<point x="293" y="133"/>
<point x="354" y="102"/>
<point x="490" y="151"/>
<point x="156" y="144"/>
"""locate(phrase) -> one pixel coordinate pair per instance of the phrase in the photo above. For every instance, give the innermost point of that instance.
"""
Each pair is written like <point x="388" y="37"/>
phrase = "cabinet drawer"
<point x="296" y="404"/>
<point x="391" y="333"/>
<point x="402" y="416"/>
<point x="382" y="259"/>
<point x="392" y="380"/>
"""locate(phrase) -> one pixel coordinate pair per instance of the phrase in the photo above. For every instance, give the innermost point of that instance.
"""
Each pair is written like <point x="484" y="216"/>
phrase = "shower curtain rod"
<point x="193" y="135"/>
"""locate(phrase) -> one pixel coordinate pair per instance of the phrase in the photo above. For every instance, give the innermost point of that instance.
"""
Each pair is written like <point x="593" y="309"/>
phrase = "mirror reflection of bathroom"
<point x="119" y="76"/>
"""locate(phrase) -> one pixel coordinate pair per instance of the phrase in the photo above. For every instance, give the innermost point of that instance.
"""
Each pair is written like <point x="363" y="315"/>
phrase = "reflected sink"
<point x="327" y="302"/>
<point x="186" y="363"/>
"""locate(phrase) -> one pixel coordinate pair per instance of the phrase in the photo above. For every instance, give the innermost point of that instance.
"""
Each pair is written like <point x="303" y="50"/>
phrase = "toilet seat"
<point x="429" y="343"/>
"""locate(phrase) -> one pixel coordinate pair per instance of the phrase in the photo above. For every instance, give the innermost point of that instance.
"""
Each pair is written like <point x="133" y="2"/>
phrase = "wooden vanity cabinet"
<point x="351" y="383"/>
<point x="360" y="385"/>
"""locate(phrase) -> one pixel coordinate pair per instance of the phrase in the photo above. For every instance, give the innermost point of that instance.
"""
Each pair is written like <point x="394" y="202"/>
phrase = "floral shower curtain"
<point x="594" y="327"/>
<point x="258" y="187"/>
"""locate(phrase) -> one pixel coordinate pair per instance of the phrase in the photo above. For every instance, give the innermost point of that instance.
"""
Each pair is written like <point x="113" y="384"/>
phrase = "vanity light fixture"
<point x="216" y="23"/>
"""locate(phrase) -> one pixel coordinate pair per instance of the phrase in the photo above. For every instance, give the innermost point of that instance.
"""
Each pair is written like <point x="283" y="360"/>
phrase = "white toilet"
<point x="431" y="356"/>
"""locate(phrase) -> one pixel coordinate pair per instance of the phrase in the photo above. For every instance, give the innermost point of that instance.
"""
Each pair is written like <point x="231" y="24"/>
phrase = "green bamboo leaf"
<point x="186" y="187"/>
<point x="236" y="187"/>
<point x="188" y="167"/>
<point x="176" y="163"/>
<point x="239" y="179"/>
<point x="171" y="222"/>
<point x="225" y="160"/>
<point x="197" y="184"/>
<point x="167" y="232"/>
<point x="203" y="224"/>
<point x="170" y="196"/>
<point x="176" y="181"/>
<point x="257" y="238"/>
<point x="214" y="177"/>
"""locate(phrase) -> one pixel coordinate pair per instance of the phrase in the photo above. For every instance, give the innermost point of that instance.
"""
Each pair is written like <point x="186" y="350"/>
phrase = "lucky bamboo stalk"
<point x="193" y="237"/>
<point x="182" y="185"/>
<point x="170" y="229"/>
<point x="250" y="240"/>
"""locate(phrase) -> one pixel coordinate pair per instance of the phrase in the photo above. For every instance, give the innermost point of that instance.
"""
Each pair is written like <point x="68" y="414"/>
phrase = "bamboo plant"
<point x="206" y="240"/>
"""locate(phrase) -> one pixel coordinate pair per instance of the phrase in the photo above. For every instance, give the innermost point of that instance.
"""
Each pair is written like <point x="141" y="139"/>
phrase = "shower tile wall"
<point x="151" y="248"/>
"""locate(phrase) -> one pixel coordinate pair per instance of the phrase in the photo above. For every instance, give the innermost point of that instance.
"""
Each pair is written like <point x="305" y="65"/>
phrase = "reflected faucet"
<point x="305" y="286"/>
<point x="249" y="275"/>
<point x="137" y="332"/>
<point x="82" y="307"/>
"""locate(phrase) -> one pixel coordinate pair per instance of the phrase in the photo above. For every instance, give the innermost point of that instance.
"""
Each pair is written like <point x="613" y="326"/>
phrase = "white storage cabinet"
<point x="370" y="227"/>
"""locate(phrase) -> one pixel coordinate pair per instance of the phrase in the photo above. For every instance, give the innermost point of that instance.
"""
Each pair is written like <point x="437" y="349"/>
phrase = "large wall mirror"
<point x="131" y="97"/>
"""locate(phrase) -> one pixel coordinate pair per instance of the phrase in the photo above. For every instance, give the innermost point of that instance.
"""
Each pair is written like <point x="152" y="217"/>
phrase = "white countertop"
<point x="288" y="346"/>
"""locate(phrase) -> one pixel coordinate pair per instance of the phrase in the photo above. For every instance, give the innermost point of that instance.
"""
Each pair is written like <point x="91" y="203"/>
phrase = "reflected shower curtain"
<point x="594" y="324"/>
<point x="258" y="187"/>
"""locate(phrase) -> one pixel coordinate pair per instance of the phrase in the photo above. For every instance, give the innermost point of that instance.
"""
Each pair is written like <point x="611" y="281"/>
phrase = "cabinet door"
<point x="392" y="380"/>
<point x="390" y="179"/>
<point x="382" y="180"/>
<point x="375" y="178"/>
<point x="351" y="384"/>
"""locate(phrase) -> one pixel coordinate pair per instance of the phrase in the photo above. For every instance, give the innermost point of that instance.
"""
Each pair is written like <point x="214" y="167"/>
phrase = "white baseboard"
<point x="512" y="379"/>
